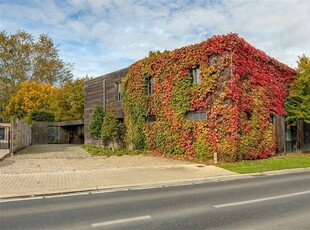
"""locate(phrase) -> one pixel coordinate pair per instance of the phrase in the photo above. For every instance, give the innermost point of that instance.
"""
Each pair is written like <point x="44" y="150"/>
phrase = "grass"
<point x="250" y="166"/>
<point x="99" y="151"/>
<point x="276" y="163"/>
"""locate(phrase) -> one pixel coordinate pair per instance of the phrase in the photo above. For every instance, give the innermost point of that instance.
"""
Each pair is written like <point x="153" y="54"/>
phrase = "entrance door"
<point x="52" y="135"/>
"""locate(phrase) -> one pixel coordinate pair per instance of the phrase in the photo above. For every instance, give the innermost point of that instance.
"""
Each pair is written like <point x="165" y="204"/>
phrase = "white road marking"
<point x="260" y="200"/>
<point x="120" y="221"/>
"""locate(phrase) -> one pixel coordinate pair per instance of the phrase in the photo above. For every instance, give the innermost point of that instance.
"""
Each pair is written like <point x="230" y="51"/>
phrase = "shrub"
<point x="110" y="130"/>
<point x="96" y="123"/>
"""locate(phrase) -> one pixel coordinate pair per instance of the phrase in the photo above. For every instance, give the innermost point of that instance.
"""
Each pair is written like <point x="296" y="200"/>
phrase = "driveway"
<point x="68" y="157"/>
<point x="54" y="169"/>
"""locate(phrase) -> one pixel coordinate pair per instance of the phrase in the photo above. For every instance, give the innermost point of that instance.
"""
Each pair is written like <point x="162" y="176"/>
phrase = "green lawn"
<point x="277" y="163"/>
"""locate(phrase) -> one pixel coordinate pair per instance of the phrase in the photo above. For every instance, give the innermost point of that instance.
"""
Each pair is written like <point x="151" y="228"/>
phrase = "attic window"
<point x="196" y="115"/>
<point x="196" y="76"/>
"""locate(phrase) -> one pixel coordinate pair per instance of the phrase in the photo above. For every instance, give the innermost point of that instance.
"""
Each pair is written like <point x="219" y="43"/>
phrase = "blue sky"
<point x="101" y="36"/>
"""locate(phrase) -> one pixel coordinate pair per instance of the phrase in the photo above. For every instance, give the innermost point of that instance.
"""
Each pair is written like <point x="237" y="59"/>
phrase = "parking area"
<point x="68" y="157"/>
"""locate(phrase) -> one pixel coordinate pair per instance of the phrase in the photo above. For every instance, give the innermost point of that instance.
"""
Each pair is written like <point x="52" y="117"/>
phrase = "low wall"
<point x="21" y="135"/>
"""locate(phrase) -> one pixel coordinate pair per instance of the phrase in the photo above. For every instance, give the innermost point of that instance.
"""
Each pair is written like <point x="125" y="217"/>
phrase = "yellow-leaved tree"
<point x="31" y="96"/>
<point x="69" y="102"/>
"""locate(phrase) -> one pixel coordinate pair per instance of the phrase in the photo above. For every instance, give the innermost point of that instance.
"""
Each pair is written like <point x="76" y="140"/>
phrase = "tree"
<point x="64" y="103"/>
<point x="24" y="59"/>
<point x="298" y="102"/>
<point x="69" y="104"/>
<point x="96" y="123"/>
<point x="30" y="96"/>
<point x="110" y="130"/>
<point x="41" y="115"/>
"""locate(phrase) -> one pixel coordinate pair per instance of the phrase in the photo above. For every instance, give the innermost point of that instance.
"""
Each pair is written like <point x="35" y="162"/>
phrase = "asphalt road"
<point x="262" y="202"/>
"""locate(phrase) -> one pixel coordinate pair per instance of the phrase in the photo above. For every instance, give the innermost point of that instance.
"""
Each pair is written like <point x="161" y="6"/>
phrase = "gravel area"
<point x="64" y="157"/>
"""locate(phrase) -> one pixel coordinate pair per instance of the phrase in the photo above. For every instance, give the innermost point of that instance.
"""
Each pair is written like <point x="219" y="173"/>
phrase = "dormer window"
<point x="196" y="76"/>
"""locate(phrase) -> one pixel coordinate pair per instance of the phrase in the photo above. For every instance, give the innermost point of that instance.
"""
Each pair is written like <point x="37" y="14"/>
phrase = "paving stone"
<point x="49" y="169"/>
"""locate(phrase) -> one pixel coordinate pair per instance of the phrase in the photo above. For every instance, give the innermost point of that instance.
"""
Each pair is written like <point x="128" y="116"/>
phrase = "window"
<point x="196" y="115"/>
<point x="150" y="119"/>
<point x="196" y="76"/>
<point x="150" y="86"/>
<point x="248" y="115"/>
<point x="272" y="119"/>
<point x="119" y="95"/>
<point x="2" y="133"/>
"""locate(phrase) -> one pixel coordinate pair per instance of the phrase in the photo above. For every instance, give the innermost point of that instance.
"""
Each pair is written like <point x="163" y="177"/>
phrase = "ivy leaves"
<point x="222" y="92"/>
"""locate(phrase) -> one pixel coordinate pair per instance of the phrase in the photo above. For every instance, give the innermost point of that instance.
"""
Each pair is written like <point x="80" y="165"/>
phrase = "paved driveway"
<point x="64" y="157"/>
<point x="52" y="169"/>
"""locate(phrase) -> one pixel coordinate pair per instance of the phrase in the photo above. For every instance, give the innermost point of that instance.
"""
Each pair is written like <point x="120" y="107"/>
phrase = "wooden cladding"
<point x="102" y="91"/>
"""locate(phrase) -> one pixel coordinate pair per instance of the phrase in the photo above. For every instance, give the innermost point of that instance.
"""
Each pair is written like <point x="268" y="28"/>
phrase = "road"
<point x="261" y="202"/>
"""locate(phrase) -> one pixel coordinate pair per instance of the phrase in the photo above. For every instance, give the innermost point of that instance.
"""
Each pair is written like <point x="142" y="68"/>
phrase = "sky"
<point x="102" y="36"/>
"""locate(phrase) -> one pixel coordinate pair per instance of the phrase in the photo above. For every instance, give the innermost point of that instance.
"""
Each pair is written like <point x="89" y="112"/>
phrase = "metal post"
<point x="215" y="158"/>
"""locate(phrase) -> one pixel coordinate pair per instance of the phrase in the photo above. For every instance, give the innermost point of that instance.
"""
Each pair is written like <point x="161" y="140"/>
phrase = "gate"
<point x="52" y="135"/>
<point x="5" y="137"/>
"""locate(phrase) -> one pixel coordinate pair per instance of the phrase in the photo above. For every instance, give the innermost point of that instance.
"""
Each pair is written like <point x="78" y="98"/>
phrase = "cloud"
<point x="103" y="36"/>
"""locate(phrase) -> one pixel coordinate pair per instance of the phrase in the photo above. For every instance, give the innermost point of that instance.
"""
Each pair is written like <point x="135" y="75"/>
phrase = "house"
<point x="220" y="96"/>
<point x="102" y="91"/>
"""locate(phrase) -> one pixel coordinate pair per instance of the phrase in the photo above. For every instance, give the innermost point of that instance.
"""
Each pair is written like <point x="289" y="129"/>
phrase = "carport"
<point x="66" y="132"/>
<point x="74" y="130"/>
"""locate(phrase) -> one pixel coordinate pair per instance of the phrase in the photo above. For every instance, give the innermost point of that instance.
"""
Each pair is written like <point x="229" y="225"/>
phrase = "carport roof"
<point x="70" y="123"/>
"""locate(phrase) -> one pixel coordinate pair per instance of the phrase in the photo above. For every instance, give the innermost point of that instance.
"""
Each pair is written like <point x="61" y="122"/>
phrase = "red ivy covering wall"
<point x="240" y="87"/>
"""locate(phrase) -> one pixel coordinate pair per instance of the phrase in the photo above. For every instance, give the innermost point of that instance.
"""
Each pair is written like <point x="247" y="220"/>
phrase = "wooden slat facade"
<point x="279" y="129"/>
<point x="101" y="91"/>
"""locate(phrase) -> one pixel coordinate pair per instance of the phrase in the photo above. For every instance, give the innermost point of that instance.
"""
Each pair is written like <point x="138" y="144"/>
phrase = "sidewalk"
<point x="55" y="169"/>
<point x="32" y="184"/>
<point x="4" y="153"/>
